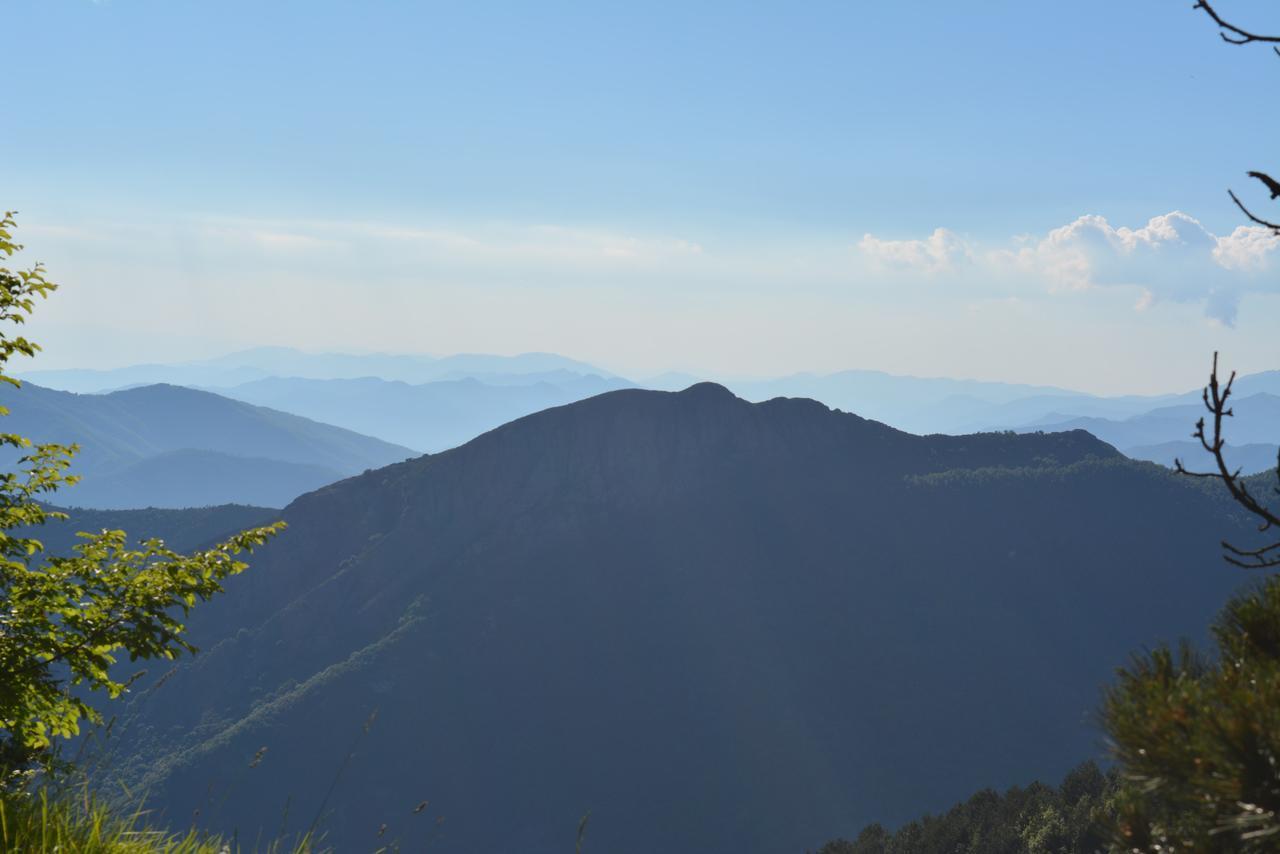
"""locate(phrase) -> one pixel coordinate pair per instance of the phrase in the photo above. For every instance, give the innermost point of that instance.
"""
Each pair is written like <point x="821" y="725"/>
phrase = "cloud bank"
<point x="645" y="300"/>
<point x="1173" y="257"/>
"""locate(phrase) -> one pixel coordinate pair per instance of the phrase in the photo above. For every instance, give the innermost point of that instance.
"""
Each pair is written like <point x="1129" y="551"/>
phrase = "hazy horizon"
<point x="39" y="365"/>
<point x="719" y="190"/>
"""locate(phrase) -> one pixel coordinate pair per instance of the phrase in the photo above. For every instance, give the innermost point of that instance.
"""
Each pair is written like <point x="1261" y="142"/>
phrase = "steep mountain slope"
<point x="430" y="417"/>
<point x="717" y="625"/>
<point x="172" y="446"/>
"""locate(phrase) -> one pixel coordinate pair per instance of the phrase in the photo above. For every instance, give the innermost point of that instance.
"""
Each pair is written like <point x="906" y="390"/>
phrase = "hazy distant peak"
<point x="236" y="368"/>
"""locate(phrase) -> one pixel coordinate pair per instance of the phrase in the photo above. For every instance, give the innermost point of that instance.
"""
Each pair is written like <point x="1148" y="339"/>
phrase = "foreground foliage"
<point x="1038" y="819"/>
<point x="40" y="823"/>
<point x="1199" y="737"/>
<point x="37" y="823"/>
<point x="64" y="621"/>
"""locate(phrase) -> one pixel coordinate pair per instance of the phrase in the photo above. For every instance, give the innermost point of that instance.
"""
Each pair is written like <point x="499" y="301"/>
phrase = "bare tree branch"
<point x="1215" y="398"/>
<point x="1272" y="185"/>
<point x="1232" y="34"/>
<point x="1259" y="220"/>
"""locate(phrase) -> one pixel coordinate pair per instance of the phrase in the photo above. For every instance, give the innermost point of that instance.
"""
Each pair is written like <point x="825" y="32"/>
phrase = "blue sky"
<point x="741" y="188"/>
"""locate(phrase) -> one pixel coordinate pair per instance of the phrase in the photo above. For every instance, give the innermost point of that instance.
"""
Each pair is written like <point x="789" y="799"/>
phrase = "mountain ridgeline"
<point x="434" y="403"/>
<point x="169" y="446"/>
<point x="717" y="625"/>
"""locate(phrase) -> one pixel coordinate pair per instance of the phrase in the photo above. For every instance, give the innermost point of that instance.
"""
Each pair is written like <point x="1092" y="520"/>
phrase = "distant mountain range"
<point x="915" y="404"/>
<point x="433" y="403"/>
<point x="938" y="405"/>
<point x="428" y="417"/>
<point x="264" y="362"/>
<point x="717" y="625"/>
<point x="1164" y="433"/>
<point x="1255" y="420"/>
<point x="1250" y="459"/>
<point x="169" y="446"/>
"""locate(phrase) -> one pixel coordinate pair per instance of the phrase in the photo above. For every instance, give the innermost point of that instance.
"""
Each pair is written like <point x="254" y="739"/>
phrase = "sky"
<point x="1029" y="192"/>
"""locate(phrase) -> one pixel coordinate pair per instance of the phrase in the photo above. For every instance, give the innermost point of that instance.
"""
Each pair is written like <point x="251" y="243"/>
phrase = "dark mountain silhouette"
<point x="719" y="626"/>
<point x="171" y="446"/>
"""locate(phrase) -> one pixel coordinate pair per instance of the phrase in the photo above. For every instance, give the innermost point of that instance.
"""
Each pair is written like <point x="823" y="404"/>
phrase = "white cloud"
<point x="1250" y="248"/>
<point x="941" y="252"/>
<point x="1173" y="257"/>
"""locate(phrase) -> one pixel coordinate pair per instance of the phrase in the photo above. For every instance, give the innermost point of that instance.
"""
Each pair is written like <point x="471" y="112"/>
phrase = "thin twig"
<point x="1274" y="226"/>
<point x="1215" y="398"/>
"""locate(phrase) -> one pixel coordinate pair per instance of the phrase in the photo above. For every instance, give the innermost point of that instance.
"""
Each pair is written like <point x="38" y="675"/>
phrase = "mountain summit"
<point x="717" y="625"/>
